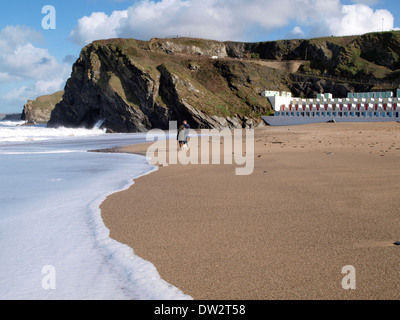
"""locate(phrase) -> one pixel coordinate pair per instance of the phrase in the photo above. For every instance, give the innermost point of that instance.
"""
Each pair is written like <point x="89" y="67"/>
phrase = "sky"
<point x="40" y="40"/>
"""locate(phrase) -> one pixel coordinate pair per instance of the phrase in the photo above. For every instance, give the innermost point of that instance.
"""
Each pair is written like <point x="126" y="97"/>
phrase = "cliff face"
<point x="39" y="110"/>
<point x="138" y="85"/>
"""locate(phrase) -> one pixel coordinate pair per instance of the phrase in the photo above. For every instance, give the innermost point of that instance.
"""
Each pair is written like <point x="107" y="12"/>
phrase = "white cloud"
<point x="12" y="36"/>
<point x="18" y="95"/>
<point x="29" y="62"/>
<point x="215" y="19"/>
<point x="231" y="19"/>
<point x="27" y="71"/>
<point x="296" y="33"/>
<point x="358" y="19"/>
<point x="5" y="77"/>
<point x="49" y="86"/>
<point x="97" y="26"/>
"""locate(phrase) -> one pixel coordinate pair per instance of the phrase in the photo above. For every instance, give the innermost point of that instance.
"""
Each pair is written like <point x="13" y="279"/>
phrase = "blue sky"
<point x="35" y="61"/>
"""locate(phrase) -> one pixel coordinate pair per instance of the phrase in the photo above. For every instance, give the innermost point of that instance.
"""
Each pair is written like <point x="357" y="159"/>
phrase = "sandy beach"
<point x="321" y="197"/>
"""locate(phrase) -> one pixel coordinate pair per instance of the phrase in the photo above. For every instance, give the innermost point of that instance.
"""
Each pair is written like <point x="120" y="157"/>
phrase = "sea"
<point x="54" y="244"/>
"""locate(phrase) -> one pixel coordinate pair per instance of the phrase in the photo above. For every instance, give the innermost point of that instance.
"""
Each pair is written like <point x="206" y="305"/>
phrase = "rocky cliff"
<point x="10" y="116"/>
<point x="134" y="85"/>
<point x="39" y="110"/>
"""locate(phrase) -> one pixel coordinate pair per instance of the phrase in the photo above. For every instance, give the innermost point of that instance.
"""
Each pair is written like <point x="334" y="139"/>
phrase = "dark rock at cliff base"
<point x="10" y="116"/>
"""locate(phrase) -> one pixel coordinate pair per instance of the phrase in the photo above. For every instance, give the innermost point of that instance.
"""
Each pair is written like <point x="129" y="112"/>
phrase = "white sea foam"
<point x="38" y="152"/>
<point x="50" y="193"/>
<point x="17" y="132"/>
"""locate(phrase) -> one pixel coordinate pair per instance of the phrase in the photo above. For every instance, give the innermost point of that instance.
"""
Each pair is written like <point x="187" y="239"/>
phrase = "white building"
<point x="359" y="106"/>
<point x="277" y="98"/>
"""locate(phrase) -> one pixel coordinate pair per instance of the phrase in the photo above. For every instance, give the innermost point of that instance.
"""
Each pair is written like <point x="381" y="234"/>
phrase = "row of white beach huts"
<point x="359" y="104"/>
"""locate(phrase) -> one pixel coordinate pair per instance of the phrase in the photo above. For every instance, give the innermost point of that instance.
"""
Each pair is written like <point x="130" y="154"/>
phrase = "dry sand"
<point x="322" y="196"/>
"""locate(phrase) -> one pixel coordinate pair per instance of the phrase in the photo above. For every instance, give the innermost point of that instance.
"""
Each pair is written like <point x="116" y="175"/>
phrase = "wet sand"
<point x="321" y="197"/>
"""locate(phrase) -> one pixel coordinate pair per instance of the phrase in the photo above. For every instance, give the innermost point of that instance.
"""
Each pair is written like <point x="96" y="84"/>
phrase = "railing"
<point x="376" y="82"/>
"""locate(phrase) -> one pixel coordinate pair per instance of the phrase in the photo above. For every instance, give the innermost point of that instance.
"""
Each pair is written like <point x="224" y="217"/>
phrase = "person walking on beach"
<point x="181" y="136"/>
<point x="187" y="128"/>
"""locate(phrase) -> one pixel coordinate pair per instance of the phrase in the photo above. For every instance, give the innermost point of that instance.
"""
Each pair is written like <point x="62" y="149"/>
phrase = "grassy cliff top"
<point x="372" y="55"/>
<point x="48" y="101"/>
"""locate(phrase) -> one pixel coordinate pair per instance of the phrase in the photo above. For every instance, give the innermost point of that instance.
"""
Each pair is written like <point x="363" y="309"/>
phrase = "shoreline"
<point x="312" y="206"/>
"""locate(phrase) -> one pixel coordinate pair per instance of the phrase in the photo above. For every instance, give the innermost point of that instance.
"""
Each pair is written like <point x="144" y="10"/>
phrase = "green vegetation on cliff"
<point x="39" y="110"/>
<point x="373" y="56"/>
<point x="222" y="87"/>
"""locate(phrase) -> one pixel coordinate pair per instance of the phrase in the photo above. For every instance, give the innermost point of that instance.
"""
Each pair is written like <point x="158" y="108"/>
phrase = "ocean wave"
<point x="38" y="152"/>
<point x="15" y="132"/>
